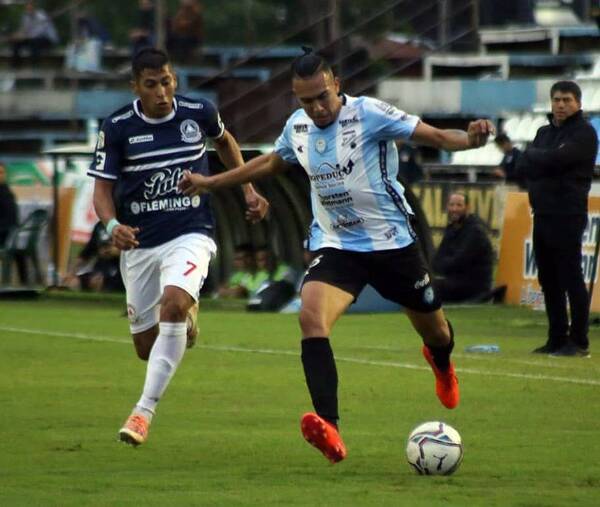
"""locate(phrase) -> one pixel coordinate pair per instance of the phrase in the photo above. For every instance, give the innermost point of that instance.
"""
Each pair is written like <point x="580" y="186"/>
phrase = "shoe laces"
<point x="138" y="424"/>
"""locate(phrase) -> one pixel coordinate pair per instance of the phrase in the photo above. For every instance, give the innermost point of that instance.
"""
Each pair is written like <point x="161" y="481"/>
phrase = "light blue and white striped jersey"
<point x="352" y="165"/>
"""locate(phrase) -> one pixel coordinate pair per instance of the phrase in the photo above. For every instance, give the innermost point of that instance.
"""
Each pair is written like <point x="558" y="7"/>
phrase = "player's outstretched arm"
<point x="254" y="169"/>
<point x="123" y="236"/>
<point x="230" y="154"/>
<point x="476" y="135"/>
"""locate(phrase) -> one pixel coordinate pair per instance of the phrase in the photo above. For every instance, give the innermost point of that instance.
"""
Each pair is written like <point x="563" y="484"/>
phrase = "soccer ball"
<point x="434" y="448"/>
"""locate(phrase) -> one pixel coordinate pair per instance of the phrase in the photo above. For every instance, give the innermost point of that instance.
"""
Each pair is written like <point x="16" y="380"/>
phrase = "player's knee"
<point x="172" y="311"/>
<point x="143" y="353"/>
<point x="311" y="323"/>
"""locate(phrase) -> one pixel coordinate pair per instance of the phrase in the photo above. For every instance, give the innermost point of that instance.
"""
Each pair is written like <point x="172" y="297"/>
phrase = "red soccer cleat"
<point x="324" y="436"/>
<point x="446" y="383"/>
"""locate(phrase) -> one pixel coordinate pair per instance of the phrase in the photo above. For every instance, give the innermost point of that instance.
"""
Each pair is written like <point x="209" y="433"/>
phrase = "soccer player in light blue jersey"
<point x="166" y="238"/>
<point x="361" y="231"/>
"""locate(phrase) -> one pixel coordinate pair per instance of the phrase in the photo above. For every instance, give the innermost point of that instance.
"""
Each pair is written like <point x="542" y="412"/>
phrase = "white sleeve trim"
<point x="103" y="176"/>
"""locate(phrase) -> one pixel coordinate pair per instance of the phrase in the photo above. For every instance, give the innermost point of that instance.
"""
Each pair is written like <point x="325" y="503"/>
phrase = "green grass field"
<point x="227" y="430"/>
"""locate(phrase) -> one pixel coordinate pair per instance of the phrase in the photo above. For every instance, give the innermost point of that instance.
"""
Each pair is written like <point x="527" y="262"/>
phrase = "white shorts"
<point x="182" y="262"/>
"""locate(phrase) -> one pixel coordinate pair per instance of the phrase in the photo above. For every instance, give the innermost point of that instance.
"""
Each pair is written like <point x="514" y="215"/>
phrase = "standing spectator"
<point x="559" y="165"/>
<point x="508" y="165"/>
<point x="185" y="31"/>
<point x="9" y="213"/>
<point x="142" y="34"/>
<point x="464" y="260"/>
<point x="36" y="33"/>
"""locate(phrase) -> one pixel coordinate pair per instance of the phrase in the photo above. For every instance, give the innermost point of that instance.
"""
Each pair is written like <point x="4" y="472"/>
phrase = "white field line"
<point x="390" y="364"/>
<point x="545" y="361"/>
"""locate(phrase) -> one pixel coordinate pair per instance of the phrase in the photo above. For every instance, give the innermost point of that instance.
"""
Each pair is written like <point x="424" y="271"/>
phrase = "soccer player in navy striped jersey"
<point x="166" y="237"/>
<point x="361" y="231"/>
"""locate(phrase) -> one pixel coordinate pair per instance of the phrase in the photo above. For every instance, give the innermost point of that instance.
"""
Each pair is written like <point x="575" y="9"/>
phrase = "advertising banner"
<point x="517" y="269"/>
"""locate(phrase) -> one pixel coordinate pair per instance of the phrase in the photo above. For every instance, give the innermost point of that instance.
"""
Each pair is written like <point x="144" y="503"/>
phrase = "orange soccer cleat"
<point x="191" y="322"/>
<point x="135" y="430"/>
<point x="446" y="383"/>
<point x="324" y="436"/>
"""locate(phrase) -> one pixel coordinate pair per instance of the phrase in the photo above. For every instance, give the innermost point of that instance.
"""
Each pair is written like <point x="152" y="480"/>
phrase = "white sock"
<point x="165" y="356"/>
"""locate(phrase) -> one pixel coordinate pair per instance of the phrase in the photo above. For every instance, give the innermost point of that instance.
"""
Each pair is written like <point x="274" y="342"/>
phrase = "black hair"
<point x="244" y="247"/>
<point x="309" y="63"/>
<point x="148" y="58"/>
<point x="502" y="138"/>
<point x="566" y="87"/>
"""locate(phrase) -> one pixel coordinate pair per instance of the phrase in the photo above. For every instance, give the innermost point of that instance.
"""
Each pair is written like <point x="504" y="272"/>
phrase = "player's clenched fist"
<point x="479" y="131"/>
<point x="124" y="237"/>
<point x="194" y="183"/>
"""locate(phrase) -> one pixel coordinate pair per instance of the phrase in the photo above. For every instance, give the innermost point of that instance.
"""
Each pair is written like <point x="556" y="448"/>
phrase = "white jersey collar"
<point x="154" y="121"/>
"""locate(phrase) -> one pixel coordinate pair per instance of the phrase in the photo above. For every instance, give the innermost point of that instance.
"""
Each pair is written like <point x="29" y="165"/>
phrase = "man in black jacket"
<point x="463" y="262"/>
<point x="559" y="165"/>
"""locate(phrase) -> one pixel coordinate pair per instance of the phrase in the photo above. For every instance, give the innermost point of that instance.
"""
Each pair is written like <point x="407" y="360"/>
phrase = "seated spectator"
<point x="269" y="269"/>
<point x="508" y="165"/>
<point x="463" y="262"/>
<point x="98" y="265"/>
<point x="9" y="220"/>
<point x="36" y="33"/>
<point x="84" y="53"/>
<point x="143" y="31"/>
<point x="273" y="283"/>
<point x="9" y="213"/>
<point x="240" y="280"/>
<point x="185" y="31"/>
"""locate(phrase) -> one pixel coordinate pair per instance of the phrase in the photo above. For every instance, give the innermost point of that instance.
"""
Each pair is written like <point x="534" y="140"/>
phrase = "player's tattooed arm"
<point x="123" y="236"/>
<point x="476" y="135"/>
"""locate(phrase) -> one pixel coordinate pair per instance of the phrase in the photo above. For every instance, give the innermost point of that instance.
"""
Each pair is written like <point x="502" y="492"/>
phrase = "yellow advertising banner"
<point x="516" y="267"/>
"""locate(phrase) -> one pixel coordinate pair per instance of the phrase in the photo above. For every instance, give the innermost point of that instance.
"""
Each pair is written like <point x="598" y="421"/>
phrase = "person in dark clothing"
<point x="142" y="33"/>
<point x="409" y="163"/>
<point x="36" y="33"/>
<point x="464" y="260"/>
<point x="9" y="216"/>
<point x="508" y="165"/>
<point x="97" y="267"/>
<point x="9" y="220"/>
<point x="185" y="31"/>
<point x="559" y="165"/>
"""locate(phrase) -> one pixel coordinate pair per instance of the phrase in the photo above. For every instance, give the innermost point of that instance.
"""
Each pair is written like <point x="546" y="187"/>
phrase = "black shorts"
<point x="400" y="275"/>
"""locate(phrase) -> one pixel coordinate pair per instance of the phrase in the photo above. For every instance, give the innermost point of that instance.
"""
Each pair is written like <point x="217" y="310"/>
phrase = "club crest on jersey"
<point x="321" y="145"/>
<point x="190" y="131"/>
<point x="100" y="143"/>
<point x="428" y="295"/>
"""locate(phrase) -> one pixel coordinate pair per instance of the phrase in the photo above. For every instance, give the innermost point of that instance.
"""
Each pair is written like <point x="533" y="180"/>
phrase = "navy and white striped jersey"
<point x="146" y="158"/>
<point x="352" y="165"/>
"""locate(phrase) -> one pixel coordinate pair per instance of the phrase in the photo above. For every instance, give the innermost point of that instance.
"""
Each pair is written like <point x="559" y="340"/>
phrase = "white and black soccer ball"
<point x="434" y="448"/>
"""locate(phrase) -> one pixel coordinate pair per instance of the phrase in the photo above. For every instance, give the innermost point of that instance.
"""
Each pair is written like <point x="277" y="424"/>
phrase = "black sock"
<point x="441" y="354"/>
<point x="321" y="376"/>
